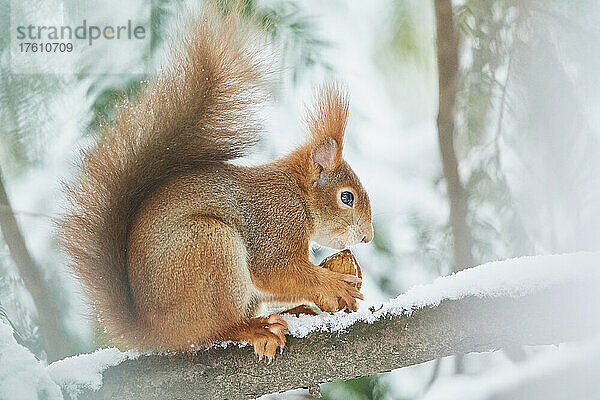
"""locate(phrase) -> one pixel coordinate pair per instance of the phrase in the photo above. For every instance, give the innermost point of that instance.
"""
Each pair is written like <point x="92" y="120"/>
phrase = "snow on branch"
<point x="525" y="301"/>
<point x="510" y="278"/>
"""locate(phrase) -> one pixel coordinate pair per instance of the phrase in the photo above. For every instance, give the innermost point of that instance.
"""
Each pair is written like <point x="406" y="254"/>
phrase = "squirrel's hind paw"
<point x="266" y="335"/>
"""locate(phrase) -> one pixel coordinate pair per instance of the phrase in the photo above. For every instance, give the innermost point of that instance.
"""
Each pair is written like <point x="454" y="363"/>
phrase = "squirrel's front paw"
<point x="339" y="291"/>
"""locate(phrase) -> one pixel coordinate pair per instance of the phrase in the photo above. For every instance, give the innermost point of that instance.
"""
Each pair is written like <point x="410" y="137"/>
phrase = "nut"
<point x="342" y="262"/>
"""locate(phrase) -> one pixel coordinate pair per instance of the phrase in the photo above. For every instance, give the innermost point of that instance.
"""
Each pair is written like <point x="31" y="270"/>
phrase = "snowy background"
<point x="527" y="140"/>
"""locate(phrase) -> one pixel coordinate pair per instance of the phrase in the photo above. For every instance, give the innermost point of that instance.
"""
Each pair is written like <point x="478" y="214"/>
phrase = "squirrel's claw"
<point x="266" y="335"/>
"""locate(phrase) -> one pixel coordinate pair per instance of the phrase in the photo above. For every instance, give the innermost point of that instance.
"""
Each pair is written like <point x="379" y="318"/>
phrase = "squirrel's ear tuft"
<point x="324" y="153"/>
<point x="327" y="121"/>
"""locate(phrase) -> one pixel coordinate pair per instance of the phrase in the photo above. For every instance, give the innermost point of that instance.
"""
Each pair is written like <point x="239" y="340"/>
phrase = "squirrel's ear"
<point x="324" y="153"/>
<point x="327" y="123"/>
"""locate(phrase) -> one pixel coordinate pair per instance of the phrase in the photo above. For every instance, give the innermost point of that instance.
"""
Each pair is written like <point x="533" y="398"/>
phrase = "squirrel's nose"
<point x="369" y="236"/>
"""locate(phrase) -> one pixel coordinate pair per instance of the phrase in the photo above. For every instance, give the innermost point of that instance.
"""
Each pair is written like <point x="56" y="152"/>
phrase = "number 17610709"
<point x="46" y="47"/>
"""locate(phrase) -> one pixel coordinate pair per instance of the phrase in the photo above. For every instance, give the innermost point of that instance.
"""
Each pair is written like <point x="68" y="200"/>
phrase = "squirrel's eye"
<point x="347" y="198"/>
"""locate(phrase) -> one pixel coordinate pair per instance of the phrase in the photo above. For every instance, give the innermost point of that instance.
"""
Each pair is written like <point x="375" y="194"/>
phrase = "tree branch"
<point x="549" y="315"/>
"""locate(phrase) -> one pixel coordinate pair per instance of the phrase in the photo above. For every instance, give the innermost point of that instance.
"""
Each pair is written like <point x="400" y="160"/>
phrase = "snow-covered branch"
<point x="527" y="301"/>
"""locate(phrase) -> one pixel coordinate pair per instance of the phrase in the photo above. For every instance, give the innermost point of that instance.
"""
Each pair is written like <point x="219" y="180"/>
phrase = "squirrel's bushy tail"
<point x="200" y="109"/>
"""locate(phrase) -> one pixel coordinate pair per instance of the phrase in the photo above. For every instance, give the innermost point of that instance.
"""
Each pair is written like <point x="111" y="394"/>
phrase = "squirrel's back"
<point x="198" y="110"/>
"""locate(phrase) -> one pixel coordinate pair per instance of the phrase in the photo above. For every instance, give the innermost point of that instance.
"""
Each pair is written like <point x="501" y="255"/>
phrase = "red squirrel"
<point x="177" y="247"/>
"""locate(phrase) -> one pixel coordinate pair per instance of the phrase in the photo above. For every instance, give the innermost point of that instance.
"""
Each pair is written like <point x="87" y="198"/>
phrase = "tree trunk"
<point x="447" y="60"/>
<point x="55" y="340"/>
